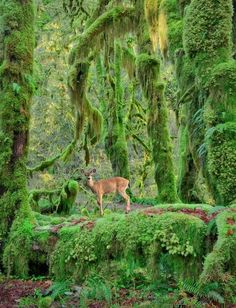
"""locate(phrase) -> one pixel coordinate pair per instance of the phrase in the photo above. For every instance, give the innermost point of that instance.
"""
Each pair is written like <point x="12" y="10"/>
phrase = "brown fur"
<point x="102" y="187"/>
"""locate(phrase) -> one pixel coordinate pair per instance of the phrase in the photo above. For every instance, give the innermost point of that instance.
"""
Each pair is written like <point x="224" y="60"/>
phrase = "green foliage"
<point x="209" y="291"/>
<point x="200" y="42"/>
<point x="133" y="236"/>
<point x="16" y="260"/>
<point x="222" y="163"/>
<point x="17" y="21"/>
<point x="148" y="71"/>
<point x="95" y="289"/>
<point x="223" y="254"/>
<point x="175" y="26"/>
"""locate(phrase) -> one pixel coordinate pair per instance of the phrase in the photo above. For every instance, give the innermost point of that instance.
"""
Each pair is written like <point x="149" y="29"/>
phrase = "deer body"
<point x="106" y="186"/>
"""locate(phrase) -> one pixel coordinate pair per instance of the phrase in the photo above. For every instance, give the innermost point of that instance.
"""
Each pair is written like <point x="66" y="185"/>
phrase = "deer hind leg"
<point x="127" y="199"/>
<point x="99" y="202"/>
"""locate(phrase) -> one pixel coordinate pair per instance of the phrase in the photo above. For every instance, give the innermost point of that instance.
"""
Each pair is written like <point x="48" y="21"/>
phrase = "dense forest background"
<point x="144" y="90"/>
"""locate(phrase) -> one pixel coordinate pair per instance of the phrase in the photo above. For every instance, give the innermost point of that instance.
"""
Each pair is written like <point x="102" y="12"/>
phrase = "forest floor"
<point x="33" y="294"/>
<point x="11" y="291"/>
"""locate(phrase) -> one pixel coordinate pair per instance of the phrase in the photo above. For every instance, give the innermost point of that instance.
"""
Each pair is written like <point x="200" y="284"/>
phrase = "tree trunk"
<point x="16" y="88"/>
<point x="215" y="79"/>
<point x="153" y="89"/>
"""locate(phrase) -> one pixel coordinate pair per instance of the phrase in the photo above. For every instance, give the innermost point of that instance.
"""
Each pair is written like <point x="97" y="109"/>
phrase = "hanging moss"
<point x="77" y="86"/>
<point x="67" y="197"/>
<point x="89" y="38"/>
<point x="152" y="16"/>
<point x="115" y="143"/>
<point x="174" y="26"/>
<point x="15" y="96"/>
<point x="148" y="70"/>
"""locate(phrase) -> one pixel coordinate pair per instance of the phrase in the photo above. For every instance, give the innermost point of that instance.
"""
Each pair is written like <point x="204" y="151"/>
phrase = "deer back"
<point x="115" y="184"/>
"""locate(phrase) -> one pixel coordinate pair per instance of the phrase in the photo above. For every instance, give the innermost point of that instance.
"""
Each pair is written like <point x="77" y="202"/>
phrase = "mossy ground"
<point x="162" y="245"/>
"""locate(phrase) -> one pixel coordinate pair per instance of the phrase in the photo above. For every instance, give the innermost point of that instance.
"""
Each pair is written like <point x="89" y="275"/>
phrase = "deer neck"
<point x="92" y="185"/>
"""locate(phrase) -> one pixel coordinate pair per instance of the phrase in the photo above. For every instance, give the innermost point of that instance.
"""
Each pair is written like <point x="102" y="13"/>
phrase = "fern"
<point x="208" y="291"/>
<point x="209" y="133"/>
<point x="59" y="288"/>
<point x="215" y="296"/>
<point x="202" y="150"/>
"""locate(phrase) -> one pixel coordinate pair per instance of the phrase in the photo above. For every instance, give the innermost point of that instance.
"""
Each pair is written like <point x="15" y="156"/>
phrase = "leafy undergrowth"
<point x="102" y="294"/>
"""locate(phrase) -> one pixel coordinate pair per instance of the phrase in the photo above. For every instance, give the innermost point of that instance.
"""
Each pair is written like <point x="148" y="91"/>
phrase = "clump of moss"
<point x="222" y="162"/>
<point x="67" y="197"/>
<point x="198" y="40"/>
<point x="222" y="259"/>
<point x="118" y="236"/>
<point x="16" y="89"/>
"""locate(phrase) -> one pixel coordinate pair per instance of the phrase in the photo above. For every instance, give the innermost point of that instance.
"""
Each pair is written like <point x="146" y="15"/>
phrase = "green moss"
<point x="101" y="24"/>
<point x="222" y="163"/>
<point x="15" y="94"/>
<point x="206" y="64"/>
<point x="220" y="105"/>
<point x="16" y="259"/>
<point x="175" y="26"/>
<point x="148" y="71"/>
<point x="67" y="197"/>
<point x="222" y="259"/>
<point x="198" y="40"/>
<point x="135" y="236"/>
<point x="115" y="141"/>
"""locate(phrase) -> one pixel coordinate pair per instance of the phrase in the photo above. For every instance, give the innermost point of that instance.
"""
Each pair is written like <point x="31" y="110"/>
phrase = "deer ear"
<point x="94" y="170"/>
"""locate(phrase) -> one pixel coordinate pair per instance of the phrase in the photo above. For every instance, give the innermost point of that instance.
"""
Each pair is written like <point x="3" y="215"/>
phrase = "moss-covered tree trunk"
<point x="208" y="47"/>
<point x="148" y="66"/>
<point x="16" y="87"/>
<point x="116" y="144"/>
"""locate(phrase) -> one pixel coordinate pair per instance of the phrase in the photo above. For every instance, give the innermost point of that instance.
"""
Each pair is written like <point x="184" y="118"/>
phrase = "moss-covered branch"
<point x="103" y="23"/>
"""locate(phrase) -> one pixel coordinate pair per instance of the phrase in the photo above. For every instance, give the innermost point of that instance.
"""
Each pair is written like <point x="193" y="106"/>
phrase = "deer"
<point x="112" y="185"/>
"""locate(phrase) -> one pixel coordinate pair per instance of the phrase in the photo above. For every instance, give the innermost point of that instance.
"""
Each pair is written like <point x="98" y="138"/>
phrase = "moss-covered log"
<point x="137" y="237"/>
<point x="16" y="88"/>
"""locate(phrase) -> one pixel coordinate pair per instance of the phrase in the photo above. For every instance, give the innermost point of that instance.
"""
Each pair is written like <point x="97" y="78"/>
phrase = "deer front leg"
<point x="99" y="202"/>
<point x="127" y="199"/>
